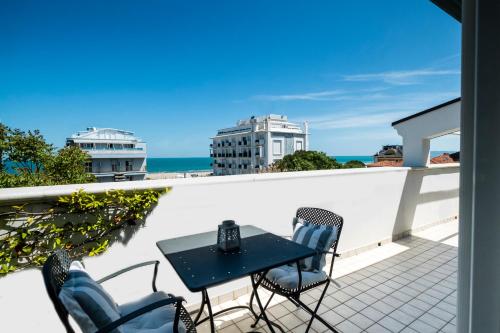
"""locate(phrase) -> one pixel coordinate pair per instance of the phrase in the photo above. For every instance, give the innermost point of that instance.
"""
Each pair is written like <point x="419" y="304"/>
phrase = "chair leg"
<point x="265" y="308"/>
<point x="317" y="307"/>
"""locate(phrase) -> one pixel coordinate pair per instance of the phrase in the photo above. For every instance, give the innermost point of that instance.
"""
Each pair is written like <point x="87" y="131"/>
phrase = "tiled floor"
<point x="406" y="286"/>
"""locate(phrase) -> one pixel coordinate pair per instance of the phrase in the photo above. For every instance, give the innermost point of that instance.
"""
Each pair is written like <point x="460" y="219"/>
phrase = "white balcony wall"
<point x="375" y="203"/>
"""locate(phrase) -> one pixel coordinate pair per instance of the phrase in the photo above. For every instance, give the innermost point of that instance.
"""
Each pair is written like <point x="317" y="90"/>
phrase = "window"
<point x="277" y="149"/>
<point x="128" y="165"/>
<point x="88" y="166"/>
<point x="298" y="145"/>
<point x="115" y="165"/>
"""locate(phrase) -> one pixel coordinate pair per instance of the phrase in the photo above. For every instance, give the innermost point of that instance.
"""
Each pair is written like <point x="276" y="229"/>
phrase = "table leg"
<point x="205" y="300"/>
<point x="200" y="311"/>
<point x="211" y="315"/>
<point x="255" y="286"/>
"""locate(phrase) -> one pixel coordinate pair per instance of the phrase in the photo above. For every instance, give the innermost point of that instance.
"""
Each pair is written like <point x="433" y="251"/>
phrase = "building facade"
<point x="116" y="155"/>
<point x="255" y="144"/>
<point x="390" y="153"/>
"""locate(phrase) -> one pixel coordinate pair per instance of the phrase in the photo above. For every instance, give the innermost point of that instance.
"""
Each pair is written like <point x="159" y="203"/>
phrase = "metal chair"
<point x="55" y="271"/>
<point x="315" y="216"/>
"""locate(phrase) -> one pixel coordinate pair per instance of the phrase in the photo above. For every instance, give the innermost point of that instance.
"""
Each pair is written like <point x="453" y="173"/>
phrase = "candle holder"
<point x="228" y="236"/>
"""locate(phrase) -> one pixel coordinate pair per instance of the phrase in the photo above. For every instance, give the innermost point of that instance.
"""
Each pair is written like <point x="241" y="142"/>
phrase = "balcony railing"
<point x="410" y="283"/>
<point x="113" y="148"/>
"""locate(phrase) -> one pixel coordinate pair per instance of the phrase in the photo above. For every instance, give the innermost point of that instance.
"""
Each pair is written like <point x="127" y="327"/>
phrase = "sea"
<point x="193" y="164"/>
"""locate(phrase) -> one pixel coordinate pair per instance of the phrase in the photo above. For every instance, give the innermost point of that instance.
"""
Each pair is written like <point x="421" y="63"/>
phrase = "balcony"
<point x="405" y="286"/>
<point x="398" y="266"/>
<point x="116" y="152"/>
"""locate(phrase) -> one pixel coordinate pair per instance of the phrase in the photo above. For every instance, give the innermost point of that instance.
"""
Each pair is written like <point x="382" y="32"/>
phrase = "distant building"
<point x="255" y="144"/>
<point x="446" y="158"/>
<point x="385" y="164"/>
<point x="441" y="159"/>
<point x="116" y="155"/>
<point x="389" y="153"/>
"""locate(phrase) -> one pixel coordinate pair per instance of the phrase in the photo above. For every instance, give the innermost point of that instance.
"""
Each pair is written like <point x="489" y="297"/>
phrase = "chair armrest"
<point x="127" y="269"/>
<point x="334" y="254"/>
<point x="158" y="304"/>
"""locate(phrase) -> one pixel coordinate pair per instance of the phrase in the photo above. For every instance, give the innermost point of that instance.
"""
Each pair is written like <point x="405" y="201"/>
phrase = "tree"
<point x="353" y="164"/>
<point x="68" y="167"/>
<point x="28" y="160"/>
<point x="25" y="154"/>
<point x="4" y="134"/>
<point x="306" y="160"/>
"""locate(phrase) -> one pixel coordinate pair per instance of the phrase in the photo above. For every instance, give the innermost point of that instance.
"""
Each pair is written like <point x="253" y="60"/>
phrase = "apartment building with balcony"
<point x="256" y="143"/>
<point x="116" y="155"/>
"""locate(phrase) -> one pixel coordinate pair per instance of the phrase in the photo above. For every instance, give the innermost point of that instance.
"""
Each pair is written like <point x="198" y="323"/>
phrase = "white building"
<point x="256" y="143"/>
<point x="117" y="155"/>
<point x="419" y="129"/>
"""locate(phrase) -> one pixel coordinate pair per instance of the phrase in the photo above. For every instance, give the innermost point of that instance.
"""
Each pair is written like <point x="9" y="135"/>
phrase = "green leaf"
<point x="27" y="249"/>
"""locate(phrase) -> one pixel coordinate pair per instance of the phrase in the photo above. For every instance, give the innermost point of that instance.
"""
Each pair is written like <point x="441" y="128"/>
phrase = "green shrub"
<point x="81" y="223"/>
<point x="306" y="160"/>
<point x="353" y="164"/>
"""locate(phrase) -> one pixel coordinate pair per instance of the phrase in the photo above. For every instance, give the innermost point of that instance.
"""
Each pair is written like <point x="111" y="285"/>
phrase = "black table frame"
<point x="175" y="257"/>
<point x="211" y="315"/>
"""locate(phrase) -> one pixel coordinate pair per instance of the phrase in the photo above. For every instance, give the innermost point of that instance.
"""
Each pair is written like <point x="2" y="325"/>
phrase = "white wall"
<point x="375" y="203"/>
<point x="418" y="131"/>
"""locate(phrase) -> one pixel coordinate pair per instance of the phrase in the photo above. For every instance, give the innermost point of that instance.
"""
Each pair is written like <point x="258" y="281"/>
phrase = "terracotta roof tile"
<point x="442" y="159"/>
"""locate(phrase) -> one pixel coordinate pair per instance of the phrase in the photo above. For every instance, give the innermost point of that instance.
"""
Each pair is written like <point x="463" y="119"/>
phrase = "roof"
<point x="434" y="108"/>
<point x="385" y="164"/>
<point x="442" y="159"/>
<point x="451" y="7"/>
<point x="105" y="134"/>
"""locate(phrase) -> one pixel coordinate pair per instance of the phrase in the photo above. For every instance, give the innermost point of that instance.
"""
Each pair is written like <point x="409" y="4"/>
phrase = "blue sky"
<point x="176" y="71"/>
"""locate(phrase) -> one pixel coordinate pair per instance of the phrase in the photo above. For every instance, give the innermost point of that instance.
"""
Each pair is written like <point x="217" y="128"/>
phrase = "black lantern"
<point x="228" y="236"/>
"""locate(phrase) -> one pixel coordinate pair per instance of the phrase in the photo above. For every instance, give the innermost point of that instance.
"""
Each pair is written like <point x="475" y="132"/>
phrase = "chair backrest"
<point x="55" y="271"/>
<point x="319" y="216"/>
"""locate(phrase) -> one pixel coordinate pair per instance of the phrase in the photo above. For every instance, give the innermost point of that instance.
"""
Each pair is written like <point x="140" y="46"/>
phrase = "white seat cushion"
<point x="158" y="320"/>
<point x="288" y="277"/>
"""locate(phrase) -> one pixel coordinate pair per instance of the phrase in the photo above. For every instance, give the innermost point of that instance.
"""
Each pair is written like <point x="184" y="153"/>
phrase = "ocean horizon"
<point x="193" y="164"/>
